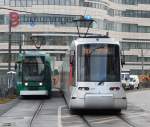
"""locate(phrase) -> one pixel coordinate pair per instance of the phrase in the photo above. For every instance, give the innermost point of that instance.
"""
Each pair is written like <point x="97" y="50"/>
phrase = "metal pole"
<point x="9" y="46"/>
<point x="20" y="43"/>
<point x="142" y="61"/>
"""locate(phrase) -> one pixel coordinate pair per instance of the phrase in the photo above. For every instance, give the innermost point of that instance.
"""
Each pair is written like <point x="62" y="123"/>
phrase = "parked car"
<point x="125" y="80"/>
<point x="134" y="81"/>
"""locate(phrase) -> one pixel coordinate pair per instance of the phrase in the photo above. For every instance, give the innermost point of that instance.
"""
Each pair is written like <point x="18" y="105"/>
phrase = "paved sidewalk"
<point x="5" y="107"/>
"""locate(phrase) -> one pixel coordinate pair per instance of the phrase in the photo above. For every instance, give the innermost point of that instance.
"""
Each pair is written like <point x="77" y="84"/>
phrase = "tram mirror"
<point x="72" y="54"/>
<point x="71" y="59"/>
<point x="122" y="60"/>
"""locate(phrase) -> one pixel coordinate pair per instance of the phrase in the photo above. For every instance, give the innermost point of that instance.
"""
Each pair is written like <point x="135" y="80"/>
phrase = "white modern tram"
<point x="90" y="76"/>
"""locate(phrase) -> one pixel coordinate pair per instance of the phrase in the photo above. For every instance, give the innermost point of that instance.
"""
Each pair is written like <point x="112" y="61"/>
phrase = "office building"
<point x="127" y="21"/>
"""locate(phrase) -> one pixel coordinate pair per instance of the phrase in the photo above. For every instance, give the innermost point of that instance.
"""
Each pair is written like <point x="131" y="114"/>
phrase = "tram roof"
<point x="90" y="40"/>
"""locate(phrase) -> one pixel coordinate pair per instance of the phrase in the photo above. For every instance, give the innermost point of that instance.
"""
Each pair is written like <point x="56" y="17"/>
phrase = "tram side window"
<point x="47" y="73"/>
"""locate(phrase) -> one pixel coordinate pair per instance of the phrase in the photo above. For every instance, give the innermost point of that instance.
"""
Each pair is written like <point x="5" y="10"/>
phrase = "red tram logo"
<point x="14" y="18"/>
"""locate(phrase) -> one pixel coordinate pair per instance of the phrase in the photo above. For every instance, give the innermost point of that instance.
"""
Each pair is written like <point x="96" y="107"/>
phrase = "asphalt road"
<point x="140" y="98"/>
<point x="22" y="113"/>
<point x="54" y="113"/>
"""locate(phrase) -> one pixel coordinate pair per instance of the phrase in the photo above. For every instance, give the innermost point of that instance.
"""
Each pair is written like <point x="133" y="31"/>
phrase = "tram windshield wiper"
<point x="100" y="83"/>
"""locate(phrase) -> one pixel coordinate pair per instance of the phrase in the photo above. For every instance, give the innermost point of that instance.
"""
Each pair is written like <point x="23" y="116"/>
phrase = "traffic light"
<point x="14" y="18"/>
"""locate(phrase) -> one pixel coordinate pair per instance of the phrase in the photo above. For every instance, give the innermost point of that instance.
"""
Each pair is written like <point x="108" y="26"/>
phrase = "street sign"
<point x="14" y="19"/>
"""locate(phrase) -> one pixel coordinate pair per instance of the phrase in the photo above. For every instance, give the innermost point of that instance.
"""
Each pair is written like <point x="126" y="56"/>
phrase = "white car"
<point x="134" y="81"/>
<point x="125" y="80"/>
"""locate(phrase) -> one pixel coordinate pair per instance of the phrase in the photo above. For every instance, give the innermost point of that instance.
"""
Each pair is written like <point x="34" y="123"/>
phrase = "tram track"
<point x="88" y="123"/>
<point x="126" y="121"/>
<point x="36" y="113"/>
<point x="89" y="119"/>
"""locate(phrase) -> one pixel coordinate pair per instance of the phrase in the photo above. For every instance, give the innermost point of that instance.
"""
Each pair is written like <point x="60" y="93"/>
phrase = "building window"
<point x="129" y="27"/>
<point x="1" y="19"/>
<point x="51" y="2"/>
<point x="40" y="2"/>
<point x="18" y="3"/>
<point x="12" y="3"/>
<point x="135" y="45"/>
<point x="144" y="1"/>
<point x="34" y="2"/>
<point x="46" y="2"/>
<point x="131" y="58"/>
<point x="24" y="3"/>
<point x="2" y="2"/>
<point x="28" y="2"/>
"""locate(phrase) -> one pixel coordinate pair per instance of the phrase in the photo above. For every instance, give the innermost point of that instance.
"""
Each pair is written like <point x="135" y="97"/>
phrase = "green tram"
<point x="33" y="74"/>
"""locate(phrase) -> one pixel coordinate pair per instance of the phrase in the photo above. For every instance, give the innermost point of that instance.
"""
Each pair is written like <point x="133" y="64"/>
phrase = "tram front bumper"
<point x="33" y="92"/>
<point x="104" y="101"/>
<point x="99" y="101"/>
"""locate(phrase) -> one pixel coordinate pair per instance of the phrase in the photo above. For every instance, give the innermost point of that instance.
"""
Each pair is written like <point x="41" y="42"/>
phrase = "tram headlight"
<point x="26" y="84"/>
<point x="40" y="84"/>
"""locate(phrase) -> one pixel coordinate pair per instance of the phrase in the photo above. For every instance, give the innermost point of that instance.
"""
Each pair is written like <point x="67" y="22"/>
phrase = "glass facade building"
<point x="127" y="21"/>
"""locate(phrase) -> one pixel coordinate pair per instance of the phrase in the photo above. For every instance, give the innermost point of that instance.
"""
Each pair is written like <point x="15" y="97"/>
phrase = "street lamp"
<point x="13" y="22"/>
<point x="142" y="61"/>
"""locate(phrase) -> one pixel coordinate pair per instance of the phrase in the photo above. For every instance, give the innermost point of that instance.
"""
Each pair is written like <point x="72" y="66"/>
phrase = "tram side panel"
<point x="65" y="80"/>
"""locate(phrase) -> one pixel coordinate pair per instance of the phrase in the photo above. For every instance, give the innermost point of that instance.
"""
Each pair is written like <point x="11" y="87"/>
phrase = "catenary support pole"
<point x="9" y="47"/>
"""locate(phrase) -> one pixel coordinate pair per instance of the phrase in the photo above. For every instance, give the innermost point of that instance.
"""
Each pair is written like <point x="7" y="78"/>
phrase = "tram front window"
<point x="33" y="68"/>
<point x="98" y="62"/>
